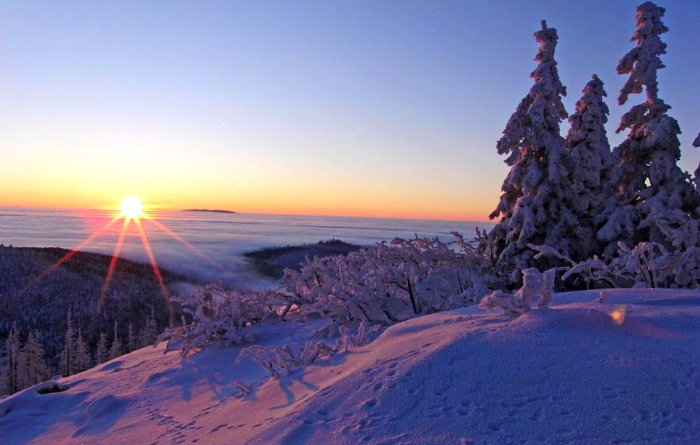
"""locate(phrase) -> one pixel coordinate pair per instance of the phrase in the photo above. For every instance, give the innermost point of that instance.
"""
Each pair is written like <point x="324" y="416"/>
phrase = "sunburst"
<point x="131" y="208"/>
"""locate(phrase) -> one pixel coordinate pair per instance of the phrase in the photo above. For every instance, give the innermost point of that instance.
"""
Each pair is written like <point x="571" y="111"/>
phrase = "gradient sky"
<point x="371" y="108"/>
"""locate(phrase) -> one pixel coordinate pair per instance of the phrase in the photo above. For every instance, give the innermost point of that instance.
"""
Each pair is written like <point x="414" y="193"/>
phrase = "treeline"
<point x="25" y="361"/>
<point x="64" y="315"/>
<point x="628" y="214"/>
<point x="574" y="213"/>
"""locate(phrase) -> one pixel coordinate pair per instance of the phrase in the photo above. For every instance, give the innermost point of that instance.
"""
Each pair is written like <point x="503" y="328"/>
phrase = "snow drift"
<point x="617" y="369"/>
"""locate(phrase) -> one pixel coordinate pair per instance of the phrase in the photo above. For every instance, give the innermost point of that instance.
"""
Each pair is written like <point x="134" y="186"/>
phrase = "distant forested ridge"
<point x="131" y="314"/>
<point x="272" y="261"/>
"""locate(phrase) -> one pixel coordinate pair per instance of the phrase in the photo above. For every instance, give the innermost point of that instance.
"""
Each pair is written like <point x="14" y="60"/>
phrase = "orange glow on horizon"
<point x="474" y="206"/>
<point x="287" y="211"/>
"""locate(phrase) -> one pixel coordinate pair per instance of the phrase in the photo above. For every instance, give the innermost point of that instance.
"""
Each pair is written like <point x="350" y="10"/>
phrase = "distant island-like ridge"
<point x="208" y="210"/>
<point x="271" y="261"/>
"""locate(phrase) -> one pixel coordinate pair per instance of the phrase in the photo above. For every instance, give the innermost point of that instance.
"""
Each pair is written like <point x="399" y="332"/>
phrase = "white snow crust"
<point x="623" y="367"/>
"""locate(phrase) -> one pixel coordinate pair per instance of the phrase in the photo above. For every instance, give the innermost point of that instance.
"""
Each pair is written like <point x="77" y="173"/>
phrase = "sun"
<point x="131" y="207"/>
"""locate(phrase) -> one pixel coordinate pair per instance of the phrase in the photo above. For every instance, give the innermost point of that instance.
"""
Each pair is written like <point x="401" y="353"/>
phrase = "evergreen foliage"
<point x="536" y="204"/>
<point x="588" y="145"/>
<point x="646" y="176"/>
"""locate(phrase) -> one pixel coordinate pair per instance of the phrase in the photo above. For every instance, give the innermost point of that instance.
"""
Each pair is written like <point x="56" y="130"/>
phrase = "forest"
<point x="574" y="213"/>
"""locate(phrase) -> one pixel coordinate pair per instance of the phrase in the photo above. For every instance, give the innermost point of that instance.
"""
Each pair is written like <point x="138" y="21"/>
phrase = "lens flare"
<point x="131" y="207"/>
<point x="618" y="315"/>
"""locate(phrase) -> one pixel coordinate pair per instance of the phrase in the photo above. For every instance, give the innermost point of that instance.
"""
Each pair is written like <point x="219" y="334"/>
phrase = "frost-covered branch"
<point x="536" y="284"/>
<point x="390" y="282"/>
<point x="217" y="315"/>
<point x="280" y="361"/>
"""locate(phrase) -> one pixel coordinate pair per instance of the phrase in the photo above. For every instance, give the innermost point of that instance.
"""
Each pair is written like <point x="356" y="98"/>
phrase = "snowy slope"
<point x="624" y="371"/>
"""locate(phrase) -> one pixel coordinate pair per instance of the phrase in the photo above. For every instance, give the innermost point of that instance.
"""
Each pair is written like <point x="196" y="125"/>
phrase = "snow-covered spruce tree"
<point x="13" y="352"/>
<point x="4" y="376"/>
<point x="648" y="180"/>
<point x="587" y="142"/>
<point x="696" y="179"/>
<point x="35" y="369"/>
<point x="536" y="204"/>
<point x="102" y="352"/>
<point x="116" y="349"/>
<point x="148" y="335"/>
<point x="82" y="354"/>
<point x="131" y="339"/>
<point x="67" y="364"/>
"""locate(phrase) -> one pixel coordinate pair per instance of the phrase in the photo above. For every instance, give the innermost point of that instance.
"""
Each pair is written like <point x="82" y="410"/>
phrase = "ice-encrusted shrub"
<point x="281" y="360"/>
<point x="648" y="264"/>
<point x="243" y="388"/>
<point x="590" y="271"/>
<point x="672" y="262"/>
<point x="217" y="315"/>
<point x="301" y="288"/>
<point x="536" y="284"/>
<point x="350" y="338"/>
<point x="386" y="284"/>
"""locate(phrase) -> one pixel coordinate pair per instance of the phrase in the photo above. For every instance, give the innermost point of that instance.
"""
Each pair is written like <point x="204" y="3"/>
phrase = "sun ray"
<point x="156" y="269"/>
<point x="115" y="258"/>
<point x="152" y="259"/>
<point x="185" y="243"/>
<point x="131" y="209"/>
<point x="69" y="255"/>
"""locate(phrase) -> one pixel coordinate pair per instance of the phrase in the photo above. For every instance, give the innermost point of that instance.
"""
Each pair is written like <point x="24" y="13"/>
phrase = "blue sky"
<point x="327" y="107"/>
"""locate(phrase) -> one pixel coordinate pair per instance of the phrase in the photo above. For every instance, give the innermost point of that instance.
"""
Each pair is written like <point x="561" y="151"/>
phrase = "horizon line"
<point x="164" y="209"/>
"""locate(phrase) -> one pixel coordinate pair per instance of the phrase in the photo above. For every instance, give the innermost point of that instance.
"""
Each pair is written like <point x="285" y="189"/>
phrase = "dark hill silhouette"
<point x="76" y="285"/>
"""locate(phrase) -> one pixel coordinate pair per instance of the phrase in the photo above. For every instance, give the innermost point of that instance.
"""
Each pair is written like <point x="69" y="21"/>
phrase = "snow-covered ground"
<point x="623" y="371"/>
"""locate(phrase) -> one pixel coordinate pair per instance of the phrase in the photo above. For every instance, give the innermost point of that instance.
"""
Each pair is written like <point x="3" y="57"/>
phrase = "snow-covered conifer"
<point x="13" y="353"/>
<point x="535" y="206"/>
<point x="116" y="349"/>
<point x="82" y="354"/>
<point x="34" y="366"/>
<point x="648" y="180"/>
<point x="4" y="376"/>
<point x="131" y="339"/>
<point x="67" y="363"/>
<point x="587" y="142"/>
<point x="696" y="179"/>
<point x="101" y="352"/>
<point x="149" y="334"/>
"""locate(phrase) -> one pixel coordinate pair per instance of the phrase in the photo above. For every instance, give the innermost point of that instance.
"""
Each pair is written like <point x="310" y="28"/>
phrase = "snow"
<point x="582" y="371"/>
<point x="649" y="181"/>
<point x="536" y="203"/>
